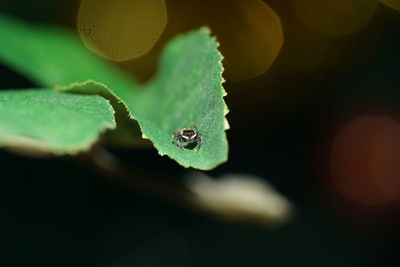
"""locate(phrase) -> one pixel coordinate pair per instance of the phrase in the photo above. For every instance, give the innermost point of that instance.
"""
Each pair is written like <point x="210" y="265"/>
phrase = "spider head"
<point x="189" y="136"/>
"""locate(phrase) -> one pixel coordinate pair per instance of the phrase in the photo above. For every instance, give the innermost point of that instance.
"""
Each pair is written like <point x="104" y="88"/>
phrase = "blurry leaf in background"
<point x="187" y="90"/>
<point x="392" y="3"/>
<point x="52" y="56"/>
<point x="365" y="161"/>
<point x="121" y="29"/>
<point x="249" y="32"/>
<point x="240" y="197"/>
<point x="335" y="17"/>
<point x="46" y="121"/>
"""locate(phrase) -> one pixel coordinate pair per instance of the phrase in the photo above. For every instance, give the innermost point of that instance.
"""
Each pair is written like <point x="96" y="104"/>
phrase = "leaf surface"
<point x="186" y="91"/>
<point x="54" y="122"/>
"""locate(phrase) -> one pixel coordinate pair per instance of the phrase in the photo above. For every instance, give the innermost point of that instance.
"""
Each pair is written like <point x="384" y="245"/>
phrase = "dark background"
<point x="56" y="212"/>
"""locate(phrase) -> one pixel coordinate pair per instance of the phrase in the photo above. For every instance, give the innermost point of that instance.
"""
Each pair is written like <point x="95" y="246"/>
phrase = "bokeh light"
<point x="249" y="32"/>
<point x="365" y="163"/>
<point x="335" y="17"/>
<point x="304" y="49"/>
<point x="121" y="29"/>
<point x="392" y="3"/>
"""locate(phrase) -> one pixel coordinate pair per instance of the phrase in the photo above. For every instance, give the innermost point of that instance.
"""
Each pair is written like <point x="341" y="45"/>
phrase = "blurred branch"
<point x="108" y="166"/>
<point x="234" y="197"/>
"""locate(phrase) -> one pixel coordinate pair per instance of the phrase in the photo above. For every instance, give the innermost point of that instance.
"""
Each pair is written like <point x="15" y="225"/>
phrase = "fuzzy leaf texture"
<point x="186" y="91"/>
<point x="44" y="120"/>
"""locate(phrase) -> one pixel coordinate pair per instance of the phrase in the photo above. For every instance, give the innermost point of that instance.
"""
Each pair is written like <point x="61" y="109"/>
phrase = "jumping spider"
<point x="187" y="135"/>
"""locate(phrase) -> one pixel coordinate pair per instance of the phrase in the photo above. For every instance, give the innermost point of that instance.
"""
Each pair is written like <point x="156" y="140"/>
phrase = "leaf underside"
<point x="186" y="91"/>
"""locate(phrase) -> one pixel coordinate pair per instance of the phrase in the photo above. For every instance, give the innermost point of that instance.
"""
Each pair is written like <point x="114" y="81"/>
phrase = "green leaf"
<point x="52" y="56"/>
<point x="53" y="122"/>
<point x="186" y="91"/>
